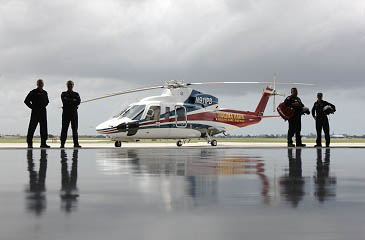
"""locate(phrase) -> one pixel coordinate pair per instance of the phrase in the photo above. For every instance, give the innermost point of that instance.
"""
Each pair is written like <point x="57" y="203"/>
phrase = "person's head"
<point x="70" y="85"/>
<point x="319" y="96"/>
<point x="294" y="92"/>
<point x="40" y="83"/>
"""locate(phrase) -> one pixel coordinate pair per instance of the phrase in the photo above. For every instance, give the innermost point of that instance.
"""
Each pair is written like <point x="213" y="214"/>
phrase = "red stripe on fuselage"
<point x="246" y="118"/>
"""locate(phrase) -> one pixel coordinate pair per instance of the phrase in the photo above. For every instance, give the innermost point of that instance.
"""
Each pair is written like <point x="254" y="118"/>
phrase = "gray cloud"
<point x="111" y="45"/>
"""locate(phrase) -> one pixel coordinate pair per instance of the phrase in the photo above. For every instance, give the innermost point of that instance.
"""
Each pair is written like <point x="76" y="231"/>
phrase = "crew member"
<point x="320" y="116"/>
<point x="37" y="100"/>
<point x="71" y="101"/>
<point x="295" y="122"/>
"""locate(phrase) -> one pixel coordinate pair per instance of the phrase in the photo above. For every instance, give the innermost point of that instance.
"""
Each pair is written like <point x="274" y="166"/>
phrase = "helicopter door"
<point x="181" y="118"/>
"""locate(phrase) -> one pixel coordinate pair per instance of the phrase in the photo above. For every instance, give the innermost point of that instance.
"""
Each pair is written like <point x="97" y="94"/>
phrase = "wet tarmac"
<point x="187" y="193"/>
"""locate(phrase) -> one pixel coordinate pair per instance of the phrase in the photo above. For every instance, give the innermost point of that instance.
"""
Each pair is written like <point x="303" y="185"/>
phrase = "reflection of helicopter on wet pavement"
<point x="181" y="113"/>
<point x="200" y="170"/>
<point x="199" y="177"/>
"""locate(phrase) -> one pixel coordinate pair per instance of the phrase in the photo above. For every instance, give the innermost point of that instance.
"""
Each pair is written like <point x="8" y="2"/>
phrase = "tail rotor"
<point x="275" y="92"/>
<point x="274" y="100"/>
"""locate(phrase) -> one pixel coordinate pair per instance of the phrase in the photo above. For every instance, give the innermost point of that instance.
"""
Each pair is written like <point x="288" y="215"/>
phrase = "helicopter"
<point x="181" y="113"/>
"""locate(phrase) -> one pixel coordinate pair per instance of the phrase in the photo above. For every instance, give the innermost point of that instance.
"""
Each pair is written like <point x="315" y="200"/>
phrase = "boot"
<point x="299" y="142"/>
<point x="44" y="145"/>
<point x="76" y="144"/>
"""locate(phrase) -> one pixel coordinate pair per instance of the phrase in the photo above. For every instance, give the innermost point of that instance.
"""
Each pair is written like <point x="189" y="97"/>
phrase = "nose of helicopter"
<point x="101" y="126"/>
<point x="106" y="128"/>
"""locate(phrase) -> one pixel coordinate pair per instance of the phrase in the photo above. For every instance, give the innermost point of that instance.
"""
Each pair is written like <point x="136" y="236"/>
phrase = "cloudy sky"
<point x="110" y="45"/>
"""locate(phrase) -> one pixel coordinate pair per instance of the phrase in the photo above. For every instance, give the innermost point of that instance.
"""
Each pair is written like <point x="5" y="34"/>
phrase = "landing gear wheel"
<point x="179" y="143"/>
<point x="118" y="144"/>
<point x="213" y="143"/>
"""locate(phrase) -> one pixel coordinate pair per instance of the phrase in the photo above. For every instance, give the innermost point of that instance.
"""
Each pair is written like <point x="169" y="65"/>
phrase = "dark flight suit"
<point x="71" y="101"/>
<point x="37" y="100"/>
<point x="295" y="122"/>
<point x="322" y="121"/>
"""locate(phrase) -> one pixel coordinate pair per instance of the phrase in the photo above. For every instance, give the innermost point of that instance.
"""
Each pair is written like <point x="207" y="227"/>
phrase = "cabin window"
<point x="153" y="113"/>
<point x="180" y="116"/>
<point x="181" y="113"/>
<point x="167" y="113"/>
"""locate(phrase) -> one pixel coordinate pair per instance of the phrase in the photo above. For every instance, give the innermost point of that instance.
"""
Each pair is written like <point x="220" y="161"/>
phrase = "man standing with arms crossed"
<point x="37" y="100"/>
<point x="71" y="101"/>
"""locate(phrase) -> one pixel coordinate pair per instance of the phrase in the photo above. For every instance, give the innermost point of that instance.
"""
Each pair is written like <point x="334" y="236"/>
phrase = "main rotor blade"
<point x="123" y="92"/>
<point x="277" y="83"/>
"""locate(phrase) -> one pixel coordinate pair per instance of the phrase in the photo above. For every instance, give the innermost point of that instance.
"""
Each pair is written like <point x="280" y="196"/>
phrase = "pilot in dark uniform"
<point x="295" y="122"/>
<point x="320" y="115"/>
<point x="71" y="101"/>
<point x="37" y="100"/>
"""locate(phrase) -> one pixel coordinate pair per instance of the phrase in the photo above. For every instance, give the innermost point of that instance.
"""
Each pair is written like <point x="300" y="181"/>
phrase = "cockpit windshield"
<point x="134" y="112"/>
<point x="121" y="112"/>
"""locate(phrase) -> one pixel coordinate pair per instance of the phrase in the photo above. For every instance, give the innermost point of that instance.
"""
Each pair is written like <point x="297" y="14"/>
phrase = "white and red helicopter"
<point x="180" y="113"/>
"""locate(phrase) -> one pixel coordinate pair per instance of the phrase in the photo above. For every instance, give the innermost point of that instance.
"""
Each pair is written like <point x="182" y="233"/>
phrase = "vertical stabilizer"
<point x="260" y="109"/>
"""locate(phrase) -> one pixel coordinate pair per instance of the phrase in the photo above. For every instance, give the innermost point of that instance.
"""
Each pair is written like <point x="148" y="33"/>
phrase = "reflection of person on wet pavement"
<point x="324" y="182"/>
<point x="293" y="184"/>
<point x="69" y="193"/>
<point x="36" y="197"/>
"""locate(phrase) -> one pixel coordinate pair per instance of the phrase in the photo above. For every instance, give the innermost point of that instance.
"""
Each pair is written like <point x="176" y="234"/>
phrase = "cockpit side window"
<point x="153" y="113"/>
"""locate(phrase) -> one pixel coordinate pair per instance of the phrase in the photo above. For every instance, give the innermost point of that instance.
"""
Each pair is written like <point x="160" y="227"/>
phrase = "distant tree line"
<point x="311" y="135"/>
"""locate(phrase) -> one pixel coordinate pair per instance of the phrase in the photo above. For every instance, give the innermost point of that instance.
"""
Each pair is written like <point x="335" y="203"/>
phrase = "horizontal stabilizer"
<point x="270" y="116"/>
